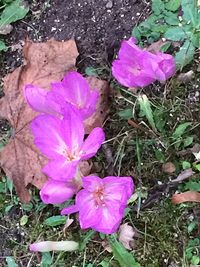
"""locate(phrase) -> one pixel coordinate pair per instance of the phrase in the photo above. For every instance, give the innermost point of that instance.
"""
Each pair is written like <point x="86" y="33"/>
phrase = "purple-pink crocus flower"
<point x="62" y="142"/>
<point x="57" y="192"/>
<point x="136" y="67"/>
<point x="102" y="202"/>
<point x="73" y="89"/>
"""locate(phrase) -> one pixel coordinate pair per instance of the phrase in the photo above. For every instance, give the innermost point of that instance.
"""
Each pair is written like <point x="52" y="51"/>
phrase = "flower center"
<point x="99" y="197"/>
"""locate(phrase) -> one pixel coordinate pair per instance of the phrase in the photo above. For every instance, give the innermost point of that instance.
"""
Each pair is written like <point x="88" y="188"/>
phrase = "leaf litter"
<point x="44" y="63"/>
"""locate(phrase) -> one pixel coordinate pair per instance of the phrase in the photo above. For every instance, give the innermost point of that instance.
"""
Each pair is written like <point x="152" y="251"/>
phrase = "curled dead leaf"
<point x="183" y="175"/>
<point x="186" y="77"/>
<point x="126" y="236"/>
<point x="189" y="196"/>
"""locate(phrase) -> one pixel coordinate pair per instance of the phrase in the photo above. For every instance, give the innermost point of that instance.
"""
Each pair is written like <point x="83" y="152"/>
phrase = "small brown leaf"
<point x="168" y="167"/>
<point x="45" y="62"/>
<point x="189" y="196"/>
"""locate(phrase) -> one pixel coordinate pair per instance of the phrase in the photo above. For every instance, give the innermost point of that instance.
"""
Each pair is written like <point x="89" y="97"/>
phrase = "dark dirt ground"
<point x="97" y="26"/>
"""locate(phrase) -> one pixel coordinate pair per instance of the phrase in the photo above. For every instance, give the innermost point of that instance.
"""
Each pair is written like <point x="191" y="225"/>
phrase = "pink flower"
<point x="73" y="89"/>
<point x="136" y="67"/>
<point x="62" y="142"/>
<point x="102" y="202"/>
<point x="56" y="192"/>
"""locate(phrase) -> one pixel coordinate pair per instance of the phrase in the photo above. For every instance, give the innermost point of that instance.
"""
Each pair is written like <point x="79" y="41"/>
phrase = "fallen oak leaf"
<point x="45" y="62"/>
<point x="189" y="196"/>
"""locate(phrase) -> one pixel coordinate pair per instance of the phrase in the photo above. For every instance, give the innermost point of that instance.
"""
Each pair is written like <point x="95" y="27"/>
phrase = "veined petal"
<point x="72" y="129"/>
<point x="60" y="169"/>
<point x="90" y="105"/>
<point x="88" y="211"/>
<point x="112" y="183"/>
<point x="56" y="192"/>
<point x="109" y="218"/>
<point x="69" y="210"/>
<point x="37" y="99"/>
<point x="92" y="144"/>
<point x="91" y="183"/>
<point x="48" y="135"/>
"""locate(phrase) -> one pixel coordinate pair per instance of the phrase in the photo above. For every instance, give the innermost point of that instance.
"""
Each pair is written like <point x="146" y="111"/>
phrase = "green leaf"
<point x="177" y="33"/>
<point x="188" y="141"/>
<point x="192" y="186"/>
<point x="13" y="12"/>
<point x="124" y="258"/>
<point x="9" y="184"/>
<point x="136" y="33"/>
<point x="195" y="260"/>
<point x="173" y="5"/>
<point x="180" y="130"/>
<point x="11" y="262"/>
<point x="46" y="259"/>
<point x="27" y="207"/>
<point x="185" y="54"/>
<point x="165" y="47"/>
<point x="23" y="220"/>
<point x="3" y="46"/>
<point x="90" y="71"/>
<point x="191" y="226"/>
<point x="171" y="18"/>
<point x="145" y="110"/>
<point x="195" y="39"/>
<point x="160" y="156"/>
<point x="190" y="11"/>
<point x="157" y="6"/>
<point x="186" y="165"/>
<point x="86" y="239"/>
<point x="56" y="220"/>
<point x="197" y="166"/>
<point x="126" y="113"/>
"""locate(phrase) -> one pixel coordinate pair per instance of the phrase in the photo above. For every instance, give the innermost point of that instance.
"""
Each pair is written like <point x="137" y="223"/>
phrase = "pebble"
<point x="109" y="4"/>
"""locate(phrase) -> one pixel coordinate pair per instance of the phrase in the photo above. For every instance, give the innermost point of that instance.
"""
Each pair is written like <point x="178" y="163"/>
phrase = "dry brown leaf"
<point x="97" y="119"/>
<point x="45" y="62"/>
<point x="189" y="196"/>
<point x="168" y="167"/>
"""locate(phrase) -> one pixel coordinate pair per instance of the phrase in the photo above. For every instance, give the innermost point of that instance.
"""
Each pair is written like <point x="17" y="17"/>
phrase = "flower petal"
<point x="69" y="210"/>
<point x="92" y="144"/>
<point x="60" y="169"/>
<point x="55" y="192"/>
<point x="37" y="99"/>
<point x="48" y="135"/>
<point x="72" y="128"/>
<point x="113" y="184"/>
<point x="91" y="183"/>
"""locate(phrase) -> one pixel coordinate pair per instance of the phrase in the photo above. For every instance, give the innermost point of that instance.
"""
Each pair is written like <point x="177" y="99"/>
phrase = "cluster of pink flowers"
<point x="136" y="67"/>
<point x="59" y="134"/>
